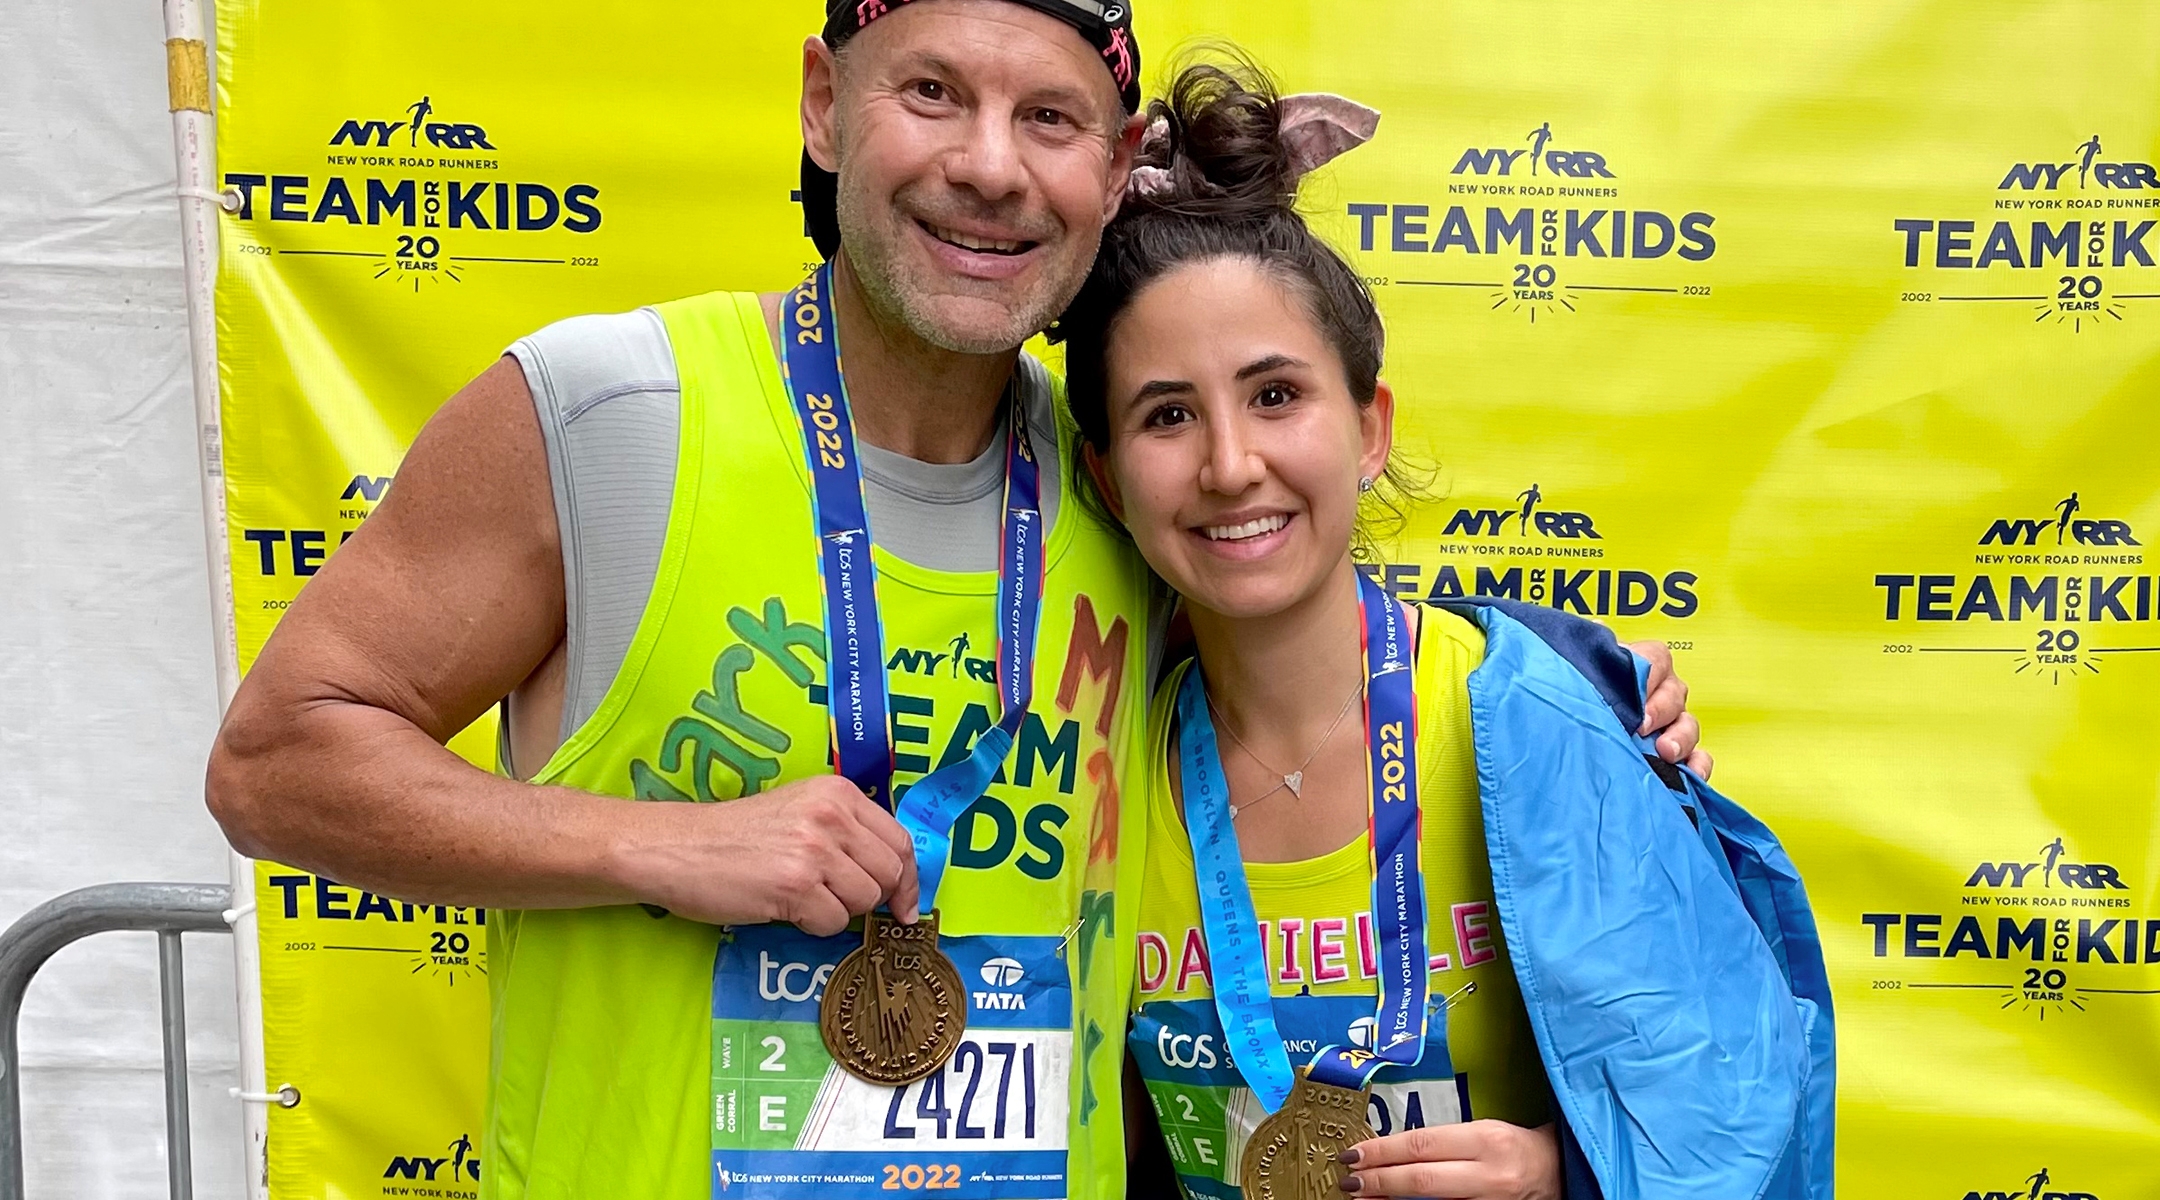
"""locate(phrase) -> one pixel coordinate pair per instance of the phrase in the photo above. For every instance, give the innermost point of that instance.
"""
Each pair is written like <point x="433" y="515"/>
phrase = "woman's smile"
<point x="1245" y="537"/>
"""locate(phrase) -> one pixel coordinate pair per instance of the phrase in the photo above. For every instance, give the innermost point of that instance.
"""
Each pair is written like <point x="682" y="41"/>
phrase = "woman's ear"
<point x="1105" y="486"/>
<point x="1376" y="431"/>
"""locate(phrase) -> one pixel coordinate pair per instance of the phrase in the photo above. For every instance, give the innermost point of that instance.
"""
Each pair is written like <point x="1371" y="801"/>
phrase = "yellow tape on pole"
<point x="1818" y="342"/>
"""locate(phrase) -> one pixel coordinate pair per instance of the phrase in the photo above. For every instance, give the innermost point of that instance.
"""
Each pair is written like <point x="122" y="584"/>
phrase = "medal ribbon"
<point x="855" y="693"/>
<point x="1238" y="960"/>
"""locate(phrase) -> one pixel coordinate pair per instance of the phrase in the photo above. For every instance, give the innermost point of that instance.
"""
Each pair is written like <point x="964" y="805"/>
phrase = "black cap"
<point x="1106" y="26"/>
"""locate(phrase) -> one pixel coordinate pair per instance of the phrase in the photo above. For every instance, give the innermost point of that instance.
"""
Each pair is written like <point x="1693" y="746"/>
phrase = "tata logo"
<point x="441" y="134"/>
<point x="793" y="982"/>
<point x="952" y="661"/>
<point x="2034" y="1187"/>
<point x="1002" y="973"/>
<point x="1552" y="523"/>
<point x="463" y="1164"/>
<point x="1189" y="1051"/>
<point x="2089" y="877"/>
<point x="2027" y="531"/>
<point x="2047" y="176"/>
<point x="1501" y="160"/>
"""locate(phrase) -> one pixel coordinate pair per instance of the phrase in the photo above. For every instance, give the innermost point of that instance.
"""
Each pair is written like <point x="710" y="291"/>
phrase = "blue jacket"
<point x="1662" y="938"/>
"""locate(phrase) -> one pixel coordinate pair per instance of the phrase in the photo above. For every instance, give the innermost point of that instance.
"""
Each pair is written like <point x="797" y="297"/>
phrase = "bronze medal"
<point x="1293" y="1155"/>
<point x="893" y="1010"/>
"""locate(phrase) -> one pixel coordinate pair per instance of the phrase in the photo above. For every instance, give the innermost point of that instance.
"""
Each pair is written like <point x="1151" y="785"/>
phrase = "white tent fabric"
<point x="108" y="697"/>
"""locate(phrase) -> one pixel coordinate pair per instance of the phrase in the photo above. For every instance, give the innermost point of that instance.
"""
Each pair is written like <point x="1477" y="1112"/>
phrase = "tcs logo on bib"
<point x="1190" y="1051"/>
<point x="794" y="982"/>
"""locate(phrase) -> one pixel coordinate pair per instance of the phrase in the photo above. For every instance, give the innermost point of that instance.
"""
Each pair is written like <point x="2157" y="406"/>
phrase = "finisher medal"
<point x="1318" y="1110"/>
<point x="1295" y="1152"/>
<point x="893" y="1011"/>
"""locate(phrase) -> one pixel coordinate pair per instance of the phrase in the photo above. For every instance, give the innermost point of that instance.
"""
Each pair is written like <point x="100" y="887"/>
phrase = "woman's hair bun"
<point x="1218" y="140"/>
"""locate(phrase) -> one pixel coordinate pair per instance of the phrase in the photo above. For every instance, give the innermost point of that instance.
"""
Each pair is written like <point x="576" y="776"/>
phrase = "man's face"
<point x="980" y="149"/>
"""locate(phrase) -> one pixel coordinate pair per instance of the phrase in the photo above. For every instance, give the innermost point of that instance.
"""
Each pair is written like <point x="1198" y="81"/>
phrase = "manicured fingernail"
<point x="1351" y="1184"/>
<point x="1350" y="1157"/>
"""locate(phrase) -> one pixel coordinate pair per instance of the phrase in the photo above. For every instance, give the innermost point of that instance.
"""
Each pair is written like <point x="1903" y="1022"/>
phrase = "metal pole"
<point x="172" y="986"/>
<point x="24" y="947"/>
<point x="190" y="79"/>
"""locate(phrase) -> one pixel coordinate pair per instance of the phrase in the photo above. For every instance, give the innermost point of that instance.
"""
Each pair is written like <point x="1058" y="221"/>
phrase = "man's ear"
<point x="1376" y="431"/>
<point x="1105" y="486"/>
<point x="1122" y="152"/>
<point x="820" y="101"/>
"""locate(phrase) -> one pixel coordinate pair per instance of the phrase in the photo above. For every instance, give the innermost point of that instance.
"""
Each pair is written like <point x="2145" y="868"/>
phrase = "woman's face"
<point x="1235" y="445"/>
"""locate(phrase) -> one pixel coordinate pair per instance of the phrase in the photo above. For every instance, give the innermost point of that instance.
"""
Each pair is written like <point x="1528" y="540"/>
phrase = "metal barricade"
<point x="169" y="910"/>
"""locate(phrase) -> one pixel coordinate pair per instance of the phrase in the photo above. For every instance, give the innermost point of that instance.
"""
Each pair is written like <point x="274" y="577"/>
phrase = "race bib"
<point x="789" y="1122"/>
<point x="1206" y="1111"/>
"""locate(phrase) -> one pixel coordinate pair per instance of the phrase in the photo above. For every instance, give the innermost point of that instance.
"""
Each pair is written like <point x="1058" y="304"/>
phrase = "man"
<point x="616" y="531"/>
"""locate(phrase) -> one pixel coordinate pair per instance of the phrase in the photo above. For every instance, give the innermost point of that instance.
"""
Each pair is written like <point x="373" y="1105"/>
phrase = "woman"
<point x="1376" y="831"/>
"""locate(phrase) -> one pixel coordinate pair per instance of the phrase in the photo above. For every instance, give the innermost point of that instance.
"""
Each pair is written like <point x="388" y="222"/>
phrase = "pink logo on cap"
<point x="1119" y="52"/>
<point x="868" y="11"/>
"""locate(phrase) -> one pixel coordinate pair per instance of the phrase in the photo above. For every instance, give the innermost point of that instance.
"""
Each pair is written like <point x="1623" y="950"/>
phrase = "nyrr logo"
<point x="1001" y="974"/>
<point x="1491" y="522"/>
<point x="2026" y="531"/>
<point x="953" y="662"/>
<point x="366" y="487"/>
<point x="2084" y="876"/>
<point x="2034" y="1187"/>
<point x="441" y="134"/>
<point x="461" y="1162"/>
<point x="1501" y="160"/>
<point x="2048" y="176"/>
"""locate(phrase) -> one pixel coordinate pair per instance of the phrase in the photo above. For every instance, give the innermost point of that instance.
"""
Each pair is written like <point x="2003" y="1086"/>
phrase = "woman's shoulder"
<point x="1451" y="639"/>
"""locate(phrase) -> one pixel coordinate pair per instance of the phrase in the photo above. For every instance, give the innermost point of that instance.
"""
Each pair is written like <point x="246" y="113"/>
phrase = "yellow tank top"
<point x="1315" y="922"/>
<point x="620" y="1066"/>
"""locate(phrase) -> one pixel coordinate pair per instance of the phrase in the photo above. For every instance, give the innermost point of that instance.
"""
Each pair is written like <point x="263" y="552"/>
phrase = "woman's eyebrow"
<point x="1163" y="387"/>
<point x="1273" y="362"/>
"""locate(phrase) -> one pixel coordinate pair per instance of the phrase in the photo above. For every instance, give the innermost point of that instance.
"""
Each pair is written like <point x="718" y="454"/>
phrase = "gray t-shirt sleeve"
<point x="604" y="388"/>
<point x="609" y="403"/>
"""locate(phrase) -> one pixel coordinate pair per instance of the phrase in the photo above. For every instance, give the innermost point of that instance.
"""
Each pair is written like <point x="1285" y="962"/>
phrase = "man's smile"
<point x="978" y="243"/>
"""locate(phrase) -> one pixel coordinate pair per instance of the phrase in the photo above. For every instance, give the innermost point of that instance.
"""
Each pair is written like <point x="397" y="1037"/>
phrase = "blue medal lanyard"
<point x="855" y="694"/>
<point x="1238" y="959"/>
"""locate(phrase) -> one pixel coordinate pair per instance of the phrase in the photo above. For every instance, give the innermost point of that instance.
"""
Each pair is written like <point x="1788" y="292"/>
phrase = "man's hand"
<point x="1665" y="712"/>
<point x="813" y="853"/>
<point x="1481" y="1160"/>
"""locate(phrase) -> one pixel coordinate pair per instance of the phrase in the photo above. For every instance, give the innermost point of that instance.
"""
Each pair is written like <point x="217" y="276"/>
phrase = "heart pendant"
<point x="1295" y="780"/>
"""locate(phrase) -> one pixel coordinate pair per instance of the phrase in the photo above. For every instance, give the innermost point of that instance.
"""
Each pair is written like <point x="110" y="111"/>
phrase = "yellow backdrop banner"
<point x="1821" y="341"/>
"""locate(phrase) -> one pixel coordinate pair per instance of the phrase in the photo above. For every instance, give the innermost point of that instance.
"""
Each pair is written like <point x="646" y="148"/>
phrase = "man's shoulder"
<point x="579" y="359"/>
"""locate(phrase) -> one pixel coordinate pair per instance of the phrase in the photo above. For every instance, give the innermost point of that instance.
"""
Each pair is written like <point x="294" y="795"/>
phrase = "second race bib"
<point x="1207" y="1112"/>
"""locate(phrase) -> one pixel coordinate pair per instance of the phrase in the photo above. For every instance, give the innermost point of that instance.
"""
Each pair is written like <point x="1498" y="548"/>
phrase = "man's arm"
<point x="443" y="602"/>
<point x="1665" y="713"/>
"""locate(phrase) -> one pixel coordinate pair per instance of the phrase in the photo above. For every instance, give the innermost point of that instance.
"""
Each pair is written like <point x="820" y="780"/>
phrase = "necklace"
<point x="1293" y="781"/>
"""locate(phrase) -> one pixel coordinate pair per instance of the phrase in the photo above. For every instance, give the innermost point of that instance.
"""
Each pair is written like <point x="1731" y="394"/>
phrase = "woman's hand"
<point x="1480" y="1160"/>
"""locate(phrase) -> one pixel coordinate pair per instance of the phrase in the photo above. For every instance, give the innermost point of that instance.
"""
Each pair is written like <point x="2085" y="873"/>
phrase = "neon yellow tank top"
<point x="1315" y="922"/>
<point x="613" y="1072"/>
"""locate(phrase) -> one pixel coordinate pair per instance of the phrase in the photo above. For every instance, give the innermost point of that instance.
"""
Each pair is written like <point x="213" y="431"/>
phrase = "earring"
<point x="1364" y="483"/>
